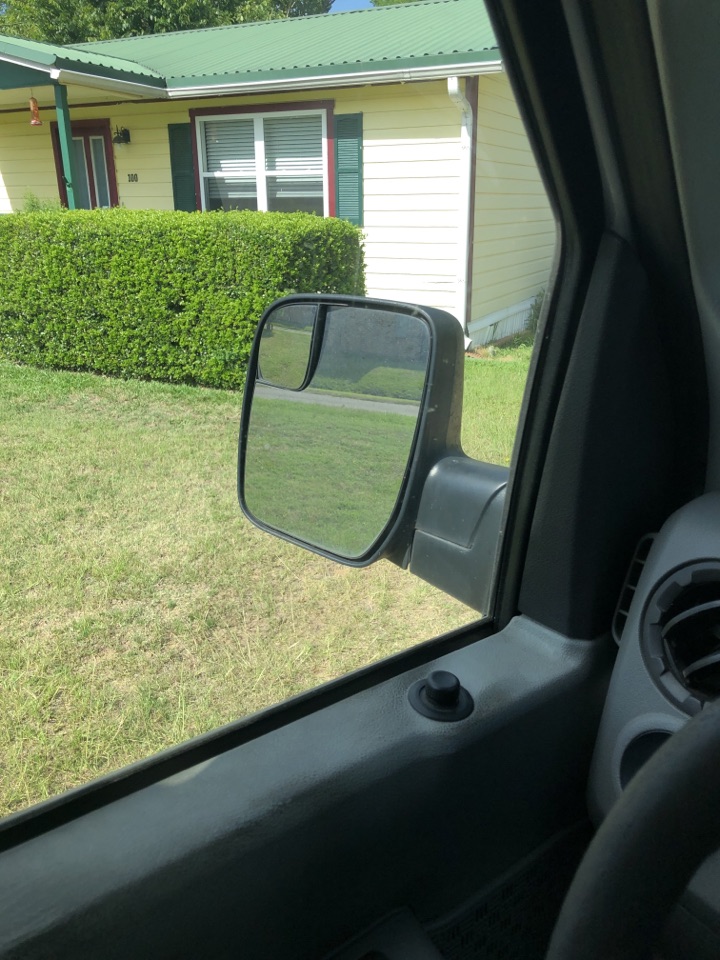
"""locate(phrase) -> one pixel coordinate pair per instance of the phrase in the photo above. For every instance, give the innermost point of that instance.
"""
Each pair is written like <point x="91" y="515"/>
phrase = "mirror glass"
<point x="326" y="464"/>
<point x="286" y="340"/>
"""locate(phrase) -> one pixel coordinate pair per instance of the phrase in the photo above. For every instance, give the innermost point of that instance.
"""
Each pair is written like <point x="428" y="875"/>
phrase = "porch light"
<point x="35" y="120"/>
<point x="121" y="135"/>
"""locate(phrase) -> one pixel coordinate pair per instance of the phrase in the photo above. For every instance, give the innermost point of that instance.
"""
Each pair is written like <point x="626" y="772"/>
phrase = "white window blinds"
<point x="293" y="145"/>
<point x="264" y="162"/>
<point x="230" y="147"/>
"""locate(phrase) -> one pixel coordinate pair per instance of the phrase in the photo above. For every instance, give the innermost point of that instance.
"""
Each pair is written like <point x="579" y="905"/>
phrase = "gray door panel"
<point x="289" y="844"/>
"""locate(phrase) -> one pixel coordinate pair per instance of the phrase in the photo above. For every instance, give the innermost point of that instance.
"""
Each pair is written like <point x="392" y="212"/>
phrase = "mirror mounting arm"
<point x="458" y="528"/>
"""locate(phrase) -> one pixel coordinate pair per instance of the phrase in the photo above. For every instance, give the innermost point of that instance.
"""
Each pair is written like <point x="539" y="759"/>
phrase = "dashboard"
<point x="667" y="670"/>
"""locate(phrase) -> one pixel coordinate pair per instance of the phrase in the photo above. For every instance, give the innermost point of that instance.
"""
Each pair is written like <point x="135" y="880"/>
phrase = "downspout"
<point x="465" y="200"/>
<point x="65" y="137"/>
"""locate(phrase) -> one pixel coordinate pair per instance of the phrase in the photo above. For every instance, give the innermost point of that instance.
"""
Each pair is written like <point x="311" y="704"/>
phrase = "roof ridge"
<point x="263" y="23"/>
<point x="11" y="36"/>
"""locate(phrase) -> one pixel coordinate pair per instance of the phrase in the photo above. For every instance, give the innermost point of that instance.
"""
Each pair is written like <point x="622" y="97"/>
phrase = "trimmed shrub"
<point x="157" y="295"/>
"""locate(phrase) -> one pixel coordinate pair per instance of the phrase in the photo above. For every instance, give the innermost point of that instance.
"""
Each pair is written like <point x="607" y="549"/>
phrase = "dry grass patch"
<point x="137" y="607"/>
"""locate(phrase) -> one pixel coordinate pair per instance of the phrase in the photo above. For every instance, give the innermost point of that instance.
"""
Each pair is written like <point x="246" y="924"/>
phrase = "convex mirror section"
<point x="349" y="402"/>
<point x="286" y="346"/>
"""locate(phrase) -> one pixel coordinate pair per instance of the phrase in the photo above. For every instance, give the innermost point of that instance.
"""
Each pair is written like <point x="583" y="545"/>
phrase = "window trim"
<point x="323" y="107"/>
<point x="86" y="128"/>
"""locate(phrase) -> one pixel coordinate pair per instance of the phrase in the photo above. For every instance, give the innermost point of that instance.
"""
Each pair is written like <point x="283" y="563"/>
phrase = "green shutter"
<point x="181" y="166"/>
<point x="348" y="168"/>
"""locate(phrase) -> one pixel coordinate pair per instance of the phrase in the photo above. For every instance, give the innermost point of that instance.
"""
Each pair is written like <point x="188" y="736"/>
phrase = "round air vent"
<point x="682" y="635"/>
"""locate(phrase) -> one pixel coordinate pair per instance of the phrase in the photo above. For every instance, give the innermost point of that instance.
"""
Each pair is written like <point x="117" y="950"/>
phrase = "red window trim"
<point x="92" y="128"/>
<point x="327" y="105"/>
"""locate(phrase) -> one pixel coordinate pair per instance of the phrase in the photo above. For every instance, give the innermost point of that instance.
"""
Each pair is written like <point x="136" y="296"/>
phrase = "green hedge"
<point x="161" y="296"/>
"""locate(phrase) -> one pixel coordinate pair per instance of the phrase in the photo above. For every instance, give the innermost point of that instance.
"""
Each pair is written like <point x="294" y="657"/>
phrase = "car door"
<point x="343" y="822"/>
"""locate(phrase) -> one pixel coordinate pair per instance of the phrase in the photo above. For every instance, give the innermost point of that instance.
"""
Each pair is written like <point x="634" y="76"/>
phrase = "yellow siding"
<point x="412" y="171"/>
<point x="26" y="160"/>
<point x="411" y="179"/>
<point x="514" y="231"/>
<point x="411" y="163"/>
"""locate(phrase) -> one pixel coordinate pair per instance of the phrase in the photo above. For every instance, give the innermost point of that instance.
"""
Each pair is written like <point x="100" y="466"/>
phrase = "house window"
<point x="265" y="161"/>
<point x="95" y="183"/>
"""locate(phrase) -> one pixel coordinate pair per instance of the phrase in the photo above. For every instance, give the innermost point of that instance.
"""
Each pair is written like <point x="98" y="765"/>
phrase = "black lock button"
<point x="441" y="697"/>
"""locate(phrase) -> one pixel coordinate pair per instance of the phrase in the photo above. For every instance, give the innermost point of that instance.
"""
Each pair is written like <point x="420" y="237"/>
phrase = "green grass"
<point x="494" y="388"/>
<point x="364" y="379"/>
<point x="285" y="355"/>
<point x="331" y="474"/>
<point x="138" y="608"/>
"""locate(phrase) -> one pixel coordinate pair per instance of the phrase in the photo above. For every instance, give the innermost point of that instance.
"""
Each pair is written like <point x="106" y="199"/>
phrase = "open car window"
<point x="139" y="607"/>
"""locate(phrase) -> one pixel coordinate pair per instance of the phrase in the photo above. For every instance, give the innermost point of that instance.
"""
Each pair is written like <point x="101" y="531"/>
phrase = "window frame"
<point x="87" y="129"/>
<point x="323" y="108"/>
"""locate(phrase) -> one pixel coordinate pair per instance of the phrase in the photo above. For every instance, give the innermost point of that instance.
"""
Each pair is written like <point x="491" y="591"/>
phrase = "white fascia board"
<point x="22" y="62"/>
<point x="337" y="80"/>
<point x="128" y="87"/>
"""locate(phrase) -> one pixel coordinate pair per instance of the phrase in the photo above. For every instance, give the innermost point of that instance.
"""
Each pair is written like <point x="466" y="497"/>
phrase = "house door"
<point x="96" y="184"/>
<point x="92" y="187"/>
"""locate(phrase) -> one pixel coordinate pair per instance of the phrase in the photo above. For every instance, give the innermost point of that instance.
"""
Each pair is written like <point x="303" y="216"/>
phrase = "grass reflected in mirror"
<point x="327" y="471"/>
<point x="285" y="345"/>
<point x="326" y="465"/>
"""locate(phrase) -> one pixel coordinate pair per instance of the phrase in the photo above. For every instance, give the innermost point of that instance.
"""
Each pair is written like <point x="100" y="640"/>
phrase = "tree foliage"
<point x="75" y="21"/>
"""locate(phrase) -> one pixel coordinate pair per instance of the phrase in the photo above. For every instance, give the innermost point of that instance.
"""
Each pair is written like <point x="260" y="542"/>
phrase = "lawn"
<point x="137" y="606"/>
<point x="329" y="473"/>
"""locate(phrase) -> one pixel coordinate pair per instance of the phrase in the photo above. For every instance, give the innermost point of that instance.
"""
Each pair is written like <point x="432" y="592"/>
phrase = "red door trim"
<point x="87" y="128"/>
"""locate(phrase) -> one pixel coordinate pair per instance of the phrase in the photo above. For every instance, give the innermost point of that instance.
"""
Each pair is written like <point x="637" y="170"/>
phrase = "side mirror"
<point x="350" y="437"/>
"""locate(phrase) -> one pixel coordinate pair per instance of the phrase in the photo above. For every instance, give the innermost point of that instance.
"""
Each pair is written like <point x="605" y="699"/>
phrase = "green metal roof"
<point x="55" y="57"/>
<point x="430" y="33"/>
<point x="405" y="37"/>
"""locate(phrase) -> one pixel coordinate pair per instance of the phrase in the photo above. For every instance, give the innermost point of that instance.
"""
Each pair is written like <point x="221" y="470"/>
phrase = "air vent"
<point x="691" y="636"/>
<point x="683" y="635"/>
<point x="630" y="586"/>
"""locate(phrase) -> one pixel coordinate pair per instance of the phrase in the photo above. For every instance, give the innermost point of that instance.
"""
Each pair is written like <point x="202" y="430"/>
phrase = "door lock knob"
<point x="442" y="689"/>
<point x="441" y="697"/>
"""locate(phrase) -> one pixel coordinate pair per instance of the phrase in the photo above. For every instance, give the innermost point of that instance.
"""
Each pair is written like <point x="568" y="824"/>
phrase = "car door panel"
<point x="292" y="842"/>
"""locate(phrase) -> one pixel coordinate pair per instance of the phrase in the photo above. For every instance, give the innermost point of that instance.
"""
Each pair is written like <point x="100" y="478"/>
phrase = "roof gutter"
<point x="361" y="78"/>
<point x="128" y="87"/>
<point x="23" y="62"/>
<point x="58" y="75"/>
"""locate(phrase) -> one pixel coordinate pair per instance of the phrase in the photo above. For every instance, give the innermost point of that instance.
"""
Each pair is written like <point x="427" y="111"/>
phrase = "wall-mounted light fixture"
<point x="121" y="135"/>
<point x="35" y="120"/>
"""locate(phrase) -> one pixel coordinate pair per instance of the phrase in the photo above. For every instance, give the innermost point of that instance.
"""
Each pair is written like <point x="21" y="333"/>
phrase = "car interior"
<point x="544" y="782"/>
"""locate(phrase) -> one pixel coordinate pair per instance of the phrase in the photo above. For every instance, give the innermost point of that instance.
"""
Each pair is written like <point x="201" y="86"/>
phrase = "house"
<point x="399" y="118"/>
